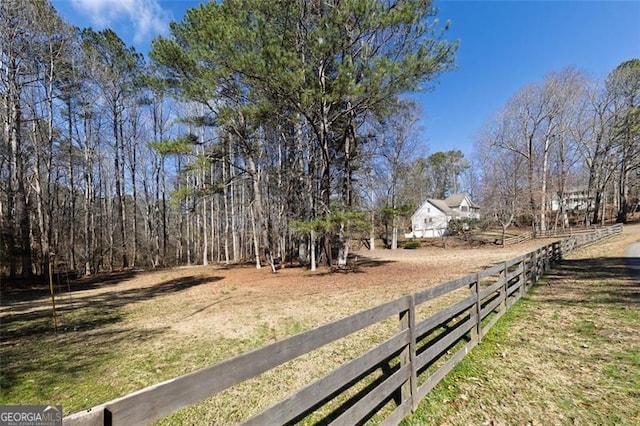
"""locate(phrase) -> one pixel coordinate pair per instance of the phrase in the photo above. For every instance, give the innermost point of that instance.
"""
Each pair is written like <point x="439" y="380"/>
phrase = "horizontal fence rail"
<point x="518" y="238"/>
<point x="565" y="233"/>
<point x="407" y="365"/>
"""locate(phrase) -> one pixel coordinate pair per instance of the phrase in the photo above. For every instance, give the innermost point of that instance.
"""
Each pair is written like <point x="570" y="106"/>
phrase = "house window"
<point x="428" y="209"/>
<point x="426" y="220"/>
<point x="464" y="208"/>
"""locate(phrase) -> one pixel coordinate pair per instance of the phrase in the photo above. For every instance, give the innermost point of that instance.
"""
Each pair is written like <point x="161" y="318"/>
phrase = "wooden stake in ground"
<point x="53" y="299"/>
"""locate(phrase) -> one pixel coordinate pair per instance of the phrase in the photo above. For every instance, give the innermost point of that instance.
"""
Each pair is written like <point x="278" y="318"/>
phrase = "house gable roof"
<point x="442" y="206"/>
<point x="438" y="204"/>
<point x="455" y="200"/>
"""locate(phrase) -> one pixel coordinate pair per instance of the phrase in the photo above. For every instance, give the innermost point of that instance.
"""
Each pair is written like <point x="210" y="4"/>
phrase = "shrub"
<point x="413" y="244"/>
<point x="457" y="227"/>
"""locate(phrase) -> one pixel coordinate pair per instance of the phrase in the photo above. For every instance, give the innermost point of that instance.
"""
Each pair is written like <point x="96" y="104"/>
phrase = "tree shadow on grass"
<point x="38" y="287"/>
<point x="612" y="276"/>
<point x="86" y="312"/>
<point x="83" y="340"/>
<point x="53" y="361"/>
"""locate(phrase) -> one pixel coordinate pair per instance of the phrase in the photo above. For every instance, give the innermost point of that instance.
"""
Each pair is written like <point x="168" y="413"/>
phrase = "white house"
<point x="573" y="199"/>
<point x="433" y="216"/>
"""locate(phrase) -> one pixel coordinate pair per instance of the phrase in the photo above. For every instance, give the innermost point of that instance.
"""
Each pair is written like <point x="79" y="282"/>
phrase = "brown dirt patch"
<point x="229" y="301"/>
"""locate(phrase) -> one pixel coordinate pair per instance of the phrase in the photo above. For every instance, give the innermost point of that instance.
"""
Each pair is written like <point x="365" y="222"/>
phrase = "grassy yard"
<point x="120" y="333"/>
<point x="568" y="353"/>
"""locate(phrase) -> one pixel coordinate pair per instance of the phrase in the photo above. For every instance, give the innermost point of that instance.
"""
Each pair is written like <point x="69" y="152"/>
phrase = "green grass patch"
<point x="585" y="328"/>
<point x="445" y="399"/>
<point x="552" y="359"/>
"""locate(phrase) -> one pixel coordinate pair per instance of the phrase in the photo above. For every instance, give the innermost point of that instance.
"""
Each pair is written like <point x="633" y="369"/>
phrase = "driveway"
<point x="632" y="256"/>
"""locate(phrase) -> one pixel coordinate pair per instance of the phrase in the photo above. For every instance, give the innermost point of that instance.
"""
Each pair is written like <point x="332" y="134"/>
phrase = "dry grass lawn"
<point x="121" y="332"/>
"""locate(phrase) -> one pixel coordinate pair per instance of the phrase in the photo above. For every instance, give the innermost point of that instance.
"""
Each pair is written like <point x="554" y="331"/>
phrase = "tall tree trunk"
<point x="165" y="230"/>
<point x="256" y="245"/>
<point x="157" y="216"/>
<point x="504" y="235"/>
<point x="543" y="189"/>
<point x="235" y="237"/>
<point x="41" y="208"/>
<point x="530" y="181"/>
<point x="343" y="251"/>
<point x="119" y="184"/>
<point x="212" y="225"/>
<point x="596" y="206"/>
<point x="205" y="236"/>
<point x="227" y="217"/>
<point x="259" y="213"/>
<point x="188" y="225"/>
<point x="134" y="193"/>
<point x="19" y="215"/>
<point x="89" y="228"/>
<point x="372" y="234"/>
<point x="71" y="178"/>
<point x="312" y="249"/>
<point x="325" y="172"/>
<point x="623" y="192"/>
<point x="604" y="206"/>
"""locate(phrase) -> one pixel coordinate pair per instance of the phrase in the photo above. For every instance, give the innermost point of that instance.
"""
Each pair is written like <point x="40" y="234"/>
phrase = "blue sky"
<point x="504" y="45"/>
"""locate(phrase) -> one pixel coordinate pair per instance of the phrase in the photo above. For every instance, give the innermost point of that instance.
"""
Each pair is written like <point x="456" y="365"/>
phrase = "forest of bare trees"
<point x="249" y="133"/>
<point x="567" y="135"/>
<point x="272" y="132"/>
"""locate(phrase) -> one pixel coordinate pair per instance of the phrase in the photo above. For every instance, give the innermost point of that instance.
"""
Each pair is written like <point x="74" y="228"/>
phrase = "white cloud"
<point x="146" y="16"/>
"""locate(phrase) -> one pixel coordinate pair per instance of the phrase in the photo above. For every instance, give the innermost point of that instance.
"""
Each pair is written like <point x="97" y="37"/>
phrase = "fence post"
<point x="525" y="272"/>
<point x="556" y="252"/>
<point x="409" y="389"/>
<point x="476" y="332"/>
<point x="540" y="263"/>
<point x="525" y="281"/>
<point x="503" y="290"/>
